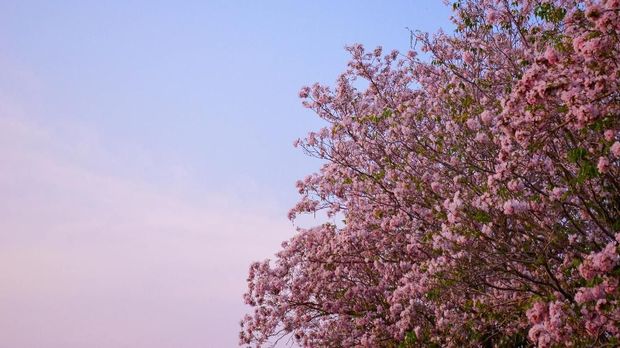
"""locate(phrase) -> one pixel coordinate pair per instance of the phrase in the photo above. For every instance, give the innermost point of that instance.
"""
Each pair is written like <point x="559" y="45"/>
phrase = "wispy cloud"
<point x="93" y="258"/>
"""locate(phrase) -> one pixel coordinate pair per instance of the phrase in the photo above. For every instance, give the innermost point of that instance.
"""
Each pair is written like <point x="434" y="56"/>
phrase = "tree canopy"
<point x="479" y="181"/>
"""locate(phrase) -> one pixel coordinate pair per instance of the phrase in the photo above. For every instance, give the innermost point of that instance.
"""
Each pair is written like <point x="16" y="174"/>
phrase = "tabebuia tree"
<point x="479" y="183"/>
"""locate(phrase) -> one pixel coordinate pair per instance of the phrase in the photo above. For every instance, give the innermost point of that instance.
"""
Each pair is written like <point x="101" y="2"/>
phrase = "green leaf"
<point x="409" y="340"/>
<point x="550" y="13"/>
<point x="379" y="175"/>
<point x="481" y="216"/>
<point x="386" y="113"/>
<point x="433" y="294"/>
<point x="577" y="155"/>
<point x="587" y="171"/>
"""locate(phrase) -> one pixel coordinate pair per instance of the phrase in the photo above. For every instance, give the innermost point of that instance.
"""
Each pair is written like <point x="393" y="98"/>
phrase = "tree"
<point x="480" y="189"/>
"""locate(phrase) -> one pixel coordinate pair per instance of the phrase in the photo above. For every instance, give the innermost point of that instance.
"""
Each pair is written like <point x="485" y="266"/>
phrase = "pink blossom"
<point x="481" y="137"/>
<point x="457" y="190"/>
<point x="472" y="123"/>
<point x="304" y="92"/>
<point x="609" y="135"/>
<point x="615" y="149"/>
<point x="487" y="117"/>
<point x="557" y="193"/>
<point x="468" y="57"/>
<point x="603" y="165"/>
<point x="537" y="313"/>
<point x="550" y="55"/>
<point x="492" y="15"/>
<point x="600" y="262"/>
<point x="514" y="206"/>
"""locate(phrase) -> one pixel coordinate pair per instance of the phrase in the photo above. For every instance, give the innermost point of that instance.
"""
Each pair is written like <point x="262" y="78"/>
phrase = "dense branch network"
<point x="480" y="189"/>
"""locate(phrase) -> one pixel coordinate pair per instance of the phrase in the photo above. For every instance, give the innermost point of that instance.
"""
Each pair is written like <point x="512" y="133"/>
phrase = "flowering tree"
<point x="480" y="189"/>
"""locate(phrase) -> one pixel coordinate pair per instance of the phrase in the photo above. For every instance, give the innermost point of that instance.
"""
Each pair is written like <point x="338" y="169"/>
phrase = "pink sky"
<point x="93" y="259"/>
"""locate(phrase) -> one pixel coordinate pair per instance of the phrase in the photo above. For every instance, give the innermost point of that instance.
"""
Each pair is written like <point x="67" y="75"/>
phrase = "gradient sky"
<point x="146" y="157"/>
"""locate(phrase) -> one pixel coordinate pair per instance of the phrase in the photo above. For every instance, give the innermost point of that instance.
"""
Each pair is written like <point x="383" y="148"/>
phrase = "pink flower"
<point x="610" y="285"/>
<point x="304" y="92"/>
<point x="514" y="185"/>
<point x="600" y="262"/>
<point x="492" y="15"/>
<point x="586" y="270"/>
<point x="615" y="149"/>
<point x="557" y="193"/>
<point x="607" y="259"/>
<point x="609" y="135"/>
<point x="487" y="117"/>
<point x="468" y="57"/>
<point x="603" y="165"/>
<point x="481" y="137"/>
<point x="540" y="336"/>
<point x="487" y="231"/>
<point x="551" y="56"/>
<point x="537" y="313"/>
<point x="514" y="206"/>
<point x="311" y="139"/>
<point x="472" y="123"/>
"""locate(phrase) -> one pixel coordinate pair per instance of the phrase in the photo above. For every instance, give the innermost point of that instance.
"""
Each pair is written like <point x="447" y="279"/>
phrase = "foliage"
<point x="480" y="191"/>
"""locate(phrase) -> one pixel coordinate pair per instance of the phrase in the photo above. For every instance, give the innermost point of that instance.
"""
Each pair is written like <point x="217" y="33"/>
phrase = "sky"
<point x="146" y="157"/>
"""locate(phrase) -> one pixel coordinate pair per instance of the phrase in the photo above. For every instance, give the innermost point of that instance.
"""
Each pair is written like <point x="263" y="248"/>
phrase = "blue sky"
<point x="152" y="141"/>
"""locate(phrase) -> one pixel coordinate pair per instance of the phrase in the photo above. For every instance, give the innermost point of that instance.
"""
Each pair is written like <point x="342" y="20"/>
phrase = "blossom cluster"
<point x="479" y="184"/>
